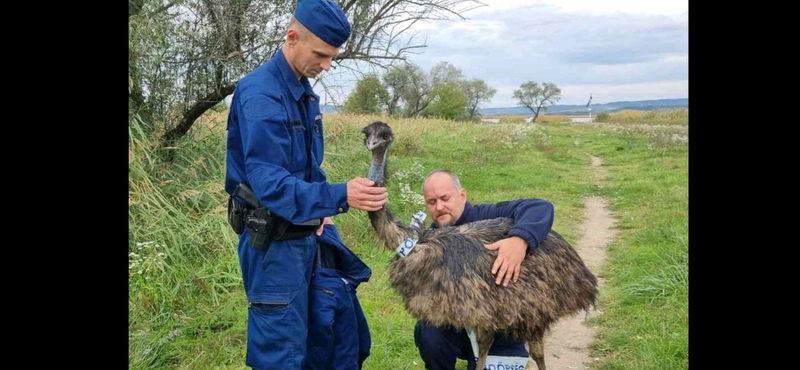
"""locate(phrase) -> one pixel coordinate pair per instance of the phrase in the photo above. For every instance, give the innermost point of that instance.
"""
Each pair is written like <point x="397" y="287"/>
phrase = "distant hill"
<point x="329" y="109"/>
<point x="574" y="109"/>
<point x="581" y="109"/>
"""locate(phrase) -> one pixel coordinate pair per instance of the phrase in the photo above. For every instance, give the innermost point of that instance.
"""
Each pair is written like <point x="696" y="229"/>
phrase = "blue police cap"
<point x="324" y="18"/>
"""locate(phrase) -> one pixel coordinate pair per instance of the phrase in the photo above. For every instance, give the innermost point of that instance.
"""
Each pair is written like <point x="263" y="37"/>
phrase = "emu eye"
<point x="386" y="137"/>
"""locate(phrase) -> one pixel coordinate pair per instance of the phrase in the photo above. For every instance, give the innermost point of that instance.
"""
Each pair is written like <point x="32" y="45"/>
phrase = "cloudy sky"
<point x="614" y="50"/>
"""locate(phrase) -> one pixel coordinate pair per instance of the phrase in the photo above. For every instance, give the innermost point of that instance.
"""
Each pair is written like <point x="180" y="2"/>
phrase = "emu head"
<point x="377" y="135"/>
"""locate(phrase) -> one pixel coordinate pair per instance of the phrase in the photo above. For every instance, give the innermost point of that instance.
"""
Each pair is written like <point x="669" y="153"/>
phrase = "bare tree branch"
<point x="194" y="112"/>
<point x="190" y="51"/>
<point x="167" y="6"/>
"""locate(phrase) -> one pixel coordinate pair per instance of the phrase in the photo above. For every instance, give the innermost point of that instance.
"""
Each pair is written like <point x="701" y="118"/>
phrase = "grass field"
<point x="187" y="308"/>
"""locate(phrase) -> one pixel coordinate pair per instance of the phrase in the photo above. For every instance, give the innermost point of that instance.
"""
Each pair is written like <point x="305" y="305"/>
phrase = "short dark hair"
<point x="302" y="31"/>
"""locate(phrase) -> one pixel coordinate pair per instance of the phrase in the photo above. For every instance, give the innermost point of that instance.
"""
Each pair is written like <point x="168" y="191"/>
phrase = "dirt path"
<point x="566" y="346"/>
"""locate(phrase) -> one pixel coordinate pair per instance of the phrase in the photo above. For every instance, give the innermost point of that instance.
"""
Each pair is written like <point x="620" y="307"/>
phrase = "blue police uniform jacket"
<point x="533" y="217"/>
<point x="275" y="146"/>
<point x="338" y="337"/>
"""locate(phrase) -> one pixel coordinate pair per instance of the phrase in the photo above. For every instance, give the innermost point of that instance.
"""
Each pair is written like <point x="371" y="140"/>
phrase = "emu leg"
<point x="485" y="339"/>
<point x="536" y="349"/>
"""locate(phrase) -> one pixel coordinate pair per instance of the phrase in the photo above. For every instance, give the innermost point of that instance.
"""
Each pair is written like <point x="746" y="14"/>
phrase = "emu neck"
<point x="377" y="169"/>
<point x="391" y="231"/>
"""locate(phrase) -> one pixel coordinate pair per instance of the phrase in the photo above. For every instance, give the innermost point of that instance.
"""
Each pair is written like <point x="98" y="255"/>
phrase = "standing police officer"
<point x="275" y="147"/>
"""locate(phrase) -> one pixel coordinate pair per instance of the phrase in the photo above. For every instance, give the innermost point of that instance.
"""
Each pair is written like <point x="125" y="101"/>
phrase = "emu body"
<point x="447" y="280"/>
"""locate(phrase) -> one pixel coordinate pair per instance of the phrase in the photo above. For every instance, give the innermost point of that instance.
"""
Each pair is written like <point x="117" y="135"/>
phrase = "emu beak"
<point x="371" y="145"/>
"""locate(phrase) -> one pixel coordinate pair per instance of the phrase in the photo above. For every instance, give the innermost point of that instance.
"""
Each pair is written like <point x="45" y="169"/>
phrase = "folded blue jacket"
<point x="338" y="334"/>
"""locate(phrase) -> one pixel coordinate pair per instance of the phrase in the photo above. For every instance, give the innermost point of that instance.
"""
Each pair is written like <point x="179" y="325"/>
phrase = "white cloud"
<point x="650" y="7"/>
<point x="619" y="50"/>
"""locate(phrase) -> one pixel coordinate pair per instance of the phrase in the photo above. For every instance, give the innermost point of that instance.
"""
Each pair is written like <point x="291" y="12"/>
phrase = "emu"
<point x="446" y="278"/>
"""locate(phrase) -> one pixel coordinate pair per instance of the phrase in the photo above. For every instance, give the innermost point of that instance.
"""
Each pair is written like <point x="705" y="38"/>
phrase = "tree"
<point x="447" y="100"/>
<point x="536" y="98"/>
<point x="368" y="97"/>
<point x="417" y="91"/>
<point x="394" y="80"/>
<point x="444" y="72"/>
<point x="477" y="91"/>
<point x="408" y="84"/>
<point x="185" y="56"/>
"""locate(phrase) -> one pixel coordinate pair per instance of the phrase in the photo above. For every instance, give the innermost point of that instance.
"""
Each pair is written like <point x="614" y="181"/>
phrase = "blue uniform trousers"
<point x="439" y="347"/>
